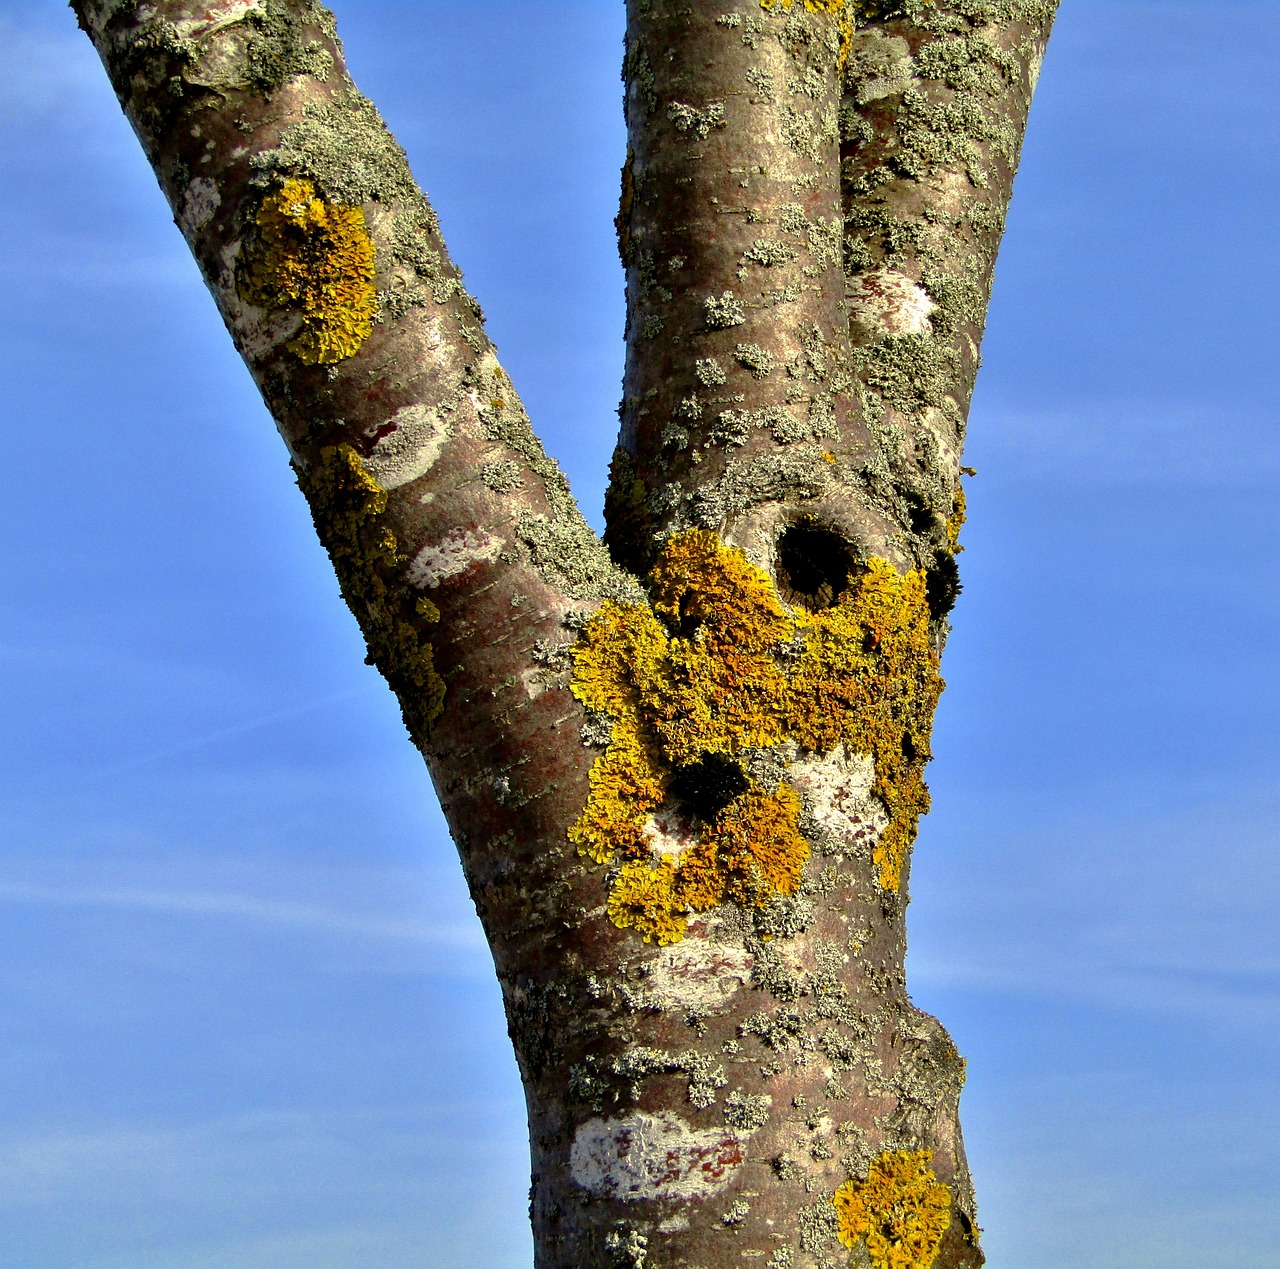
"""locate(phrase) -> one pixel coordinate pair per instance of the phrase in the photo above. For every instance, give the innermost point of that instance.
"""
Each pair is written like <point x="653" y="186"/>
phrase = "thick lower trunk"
<point x="724" y="1123"/>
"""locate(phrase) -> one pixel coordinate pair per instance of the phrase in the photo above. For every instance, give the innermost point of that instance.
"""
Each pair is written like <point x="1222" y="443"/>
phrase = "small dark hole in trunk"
<point x="814" y="566"/>
<point x="707" y="786"/>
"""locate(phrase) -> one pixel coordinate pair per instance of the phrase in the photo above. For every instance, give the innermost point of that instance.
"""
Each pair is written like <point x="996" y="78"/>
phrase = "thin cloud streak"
<point x="228" y="733"/>
<point x="1123" y="441"/>
<point x="240" y="907"/>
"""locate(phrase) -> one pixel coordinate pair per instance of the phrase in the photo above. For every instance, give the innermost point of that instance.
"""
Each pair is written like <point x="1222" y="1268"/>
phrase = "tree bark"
<point x="683" y="769"/>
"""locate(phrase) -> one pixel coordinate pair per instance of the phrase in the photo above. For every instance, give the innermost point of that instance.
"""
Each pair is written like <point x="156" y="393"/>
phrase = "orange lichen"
<point x="811" y="6"/>
<point x="757" y="840"/>
<point x="720" y="684"/>
<point x="869" y="677"/>
<point x="901" y="1211"/>
<point x="643" y="899"/>
<point x="315" y="257"/>
<point x="697" y="678"/>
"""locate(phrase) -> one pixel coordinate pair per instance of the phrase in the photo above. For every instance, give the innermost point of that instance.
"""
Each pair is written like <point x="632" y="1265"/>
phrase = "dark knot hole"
<point x="814" y="566"/>
<point x="705" y="787"/>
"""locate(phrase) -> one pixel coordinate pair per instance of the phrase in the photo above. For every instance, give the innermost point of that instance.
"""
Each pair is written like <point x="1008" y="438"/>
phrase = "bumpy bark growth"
<point x="683" y="772"/>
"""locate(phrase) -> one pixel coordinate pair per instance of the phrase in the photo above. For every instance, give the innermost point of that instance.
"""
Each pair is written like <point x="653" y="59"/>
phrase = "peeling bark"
<point x="812" y="201"/>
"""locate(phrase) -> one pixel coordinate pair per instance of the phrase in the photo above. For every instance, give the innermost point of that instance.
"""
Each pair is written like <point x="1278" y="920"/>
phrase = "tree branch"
<point x="932" y="119"/>
<point x="811" y="209"/>
<point x="455" y="537"/>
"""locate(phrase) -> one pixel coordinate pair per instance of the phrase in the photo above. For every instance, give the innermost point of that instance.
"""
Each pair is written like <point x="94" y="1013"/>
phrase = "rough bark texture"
<point x="683" y="774"/>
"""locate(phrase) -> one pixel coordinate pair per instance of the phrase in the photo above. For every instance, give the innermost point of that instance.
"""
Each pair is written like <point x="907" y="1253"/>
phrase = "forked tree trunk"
<point x="684" y="770"/>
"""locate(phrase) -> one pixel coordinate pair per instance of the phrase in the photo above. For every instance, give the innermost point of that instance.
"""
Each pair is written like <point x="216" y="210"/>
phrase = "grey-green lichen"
<point x="501" y="475"/>
<point x="348" y="507"/>
<point x="759" y="361"/>
<point x="560" y="543"/>
<point x="709" y="372"/>
<point x="748" y="482"/>
<point x="723" y="310"/>
<point x="818" y="1226"/>
<point x="346" y="149"/>
<point x="768" y="253"/>
<point x="697" y="123"/>
<point x="629" y="1247"/>
<point x="746" y="1111"/>
<point x="279" y="49"/>
<point x="602" y="1084"/>
<point x="810" y="133"/>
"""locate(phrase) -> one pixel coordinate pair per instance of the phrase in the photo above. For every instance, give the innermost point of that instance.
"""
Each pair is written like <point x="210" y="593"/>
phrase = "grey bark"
<point x="812" y="201"/>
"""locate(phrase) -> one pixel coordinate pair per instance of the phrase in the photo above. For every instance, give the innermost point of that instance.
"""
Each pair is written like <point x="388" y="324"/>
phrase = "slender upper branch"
<point x="932" y="120"/>
<point x="439" y="507"/>
<point x="737" y="350"/>
<point x="811" y="206"/>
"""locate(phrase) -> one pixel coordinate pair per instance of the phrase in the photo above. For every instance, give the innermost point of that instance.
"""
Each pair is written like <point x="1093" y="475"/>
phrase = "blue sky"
<point x="248" y="1018"/>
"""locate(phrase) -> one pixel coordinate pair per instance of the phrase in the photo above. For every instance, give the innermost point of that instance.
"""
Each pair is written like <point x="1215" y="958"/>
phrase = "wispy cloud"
<point x="1125" y="441"/>
<point x="1172" y="915"/>
<point x="229" y="733"/>
<point x="242" y="907"/>
<point x="389" y="1185"/>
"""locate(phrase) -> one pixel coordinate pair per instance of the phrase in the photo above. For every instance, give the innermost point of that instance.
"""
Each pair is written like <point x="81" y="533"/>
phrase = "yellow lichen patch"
<point x="643" y="899"/>
<point x="720" y="685"/>
<point x="760" y="851"/>
<point x="716" y="666"/>
<point x="869" y="677"/>
<point x="625" y="786"/>
<point x="901" y="1211"/>
<point x="347" y="504"/>
<point x="955" y="521"/>
<point x="811" y="6"/>
<point x="315" y="257"/>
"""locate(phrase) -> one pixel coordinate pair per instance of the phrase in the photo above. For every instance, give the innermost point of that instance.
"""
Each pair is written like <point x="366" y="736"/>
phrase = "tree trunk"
<point x="683" y="769"/>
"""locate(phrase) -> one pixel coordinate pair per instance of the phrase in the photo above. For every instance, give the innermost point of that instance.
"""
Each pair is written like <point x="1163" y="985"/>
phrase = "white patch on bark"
<point x="645" y="1157"/>
<point x="216" y="16"/>
<point x="456" y="552"/>
<point x="668" y="833"/>
<point x="696" y="973"/>
<point x="837" y="792"/>
<point x="886" y="302"/>
<point x="221" y="41"/>
<point x="1037" y="62"/>
<point x="534" y="681"/>
<point x="198" y="205"/>
<point x="411" y="450"/>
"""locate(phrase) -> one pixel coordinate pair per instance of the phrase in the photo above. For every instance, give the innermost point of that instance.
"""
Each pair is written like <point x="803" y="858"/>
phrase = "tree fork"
<point x="684" y="805"/>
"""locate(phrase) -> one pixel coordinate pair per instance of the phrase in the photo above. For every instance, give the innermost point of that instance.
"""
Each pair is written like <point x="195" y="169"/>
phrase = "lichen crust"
<point x="347" y="505"/>
<point x="900" y="1211"/>
<point x="716" y="666"/>
<point x="314" y="257"/>
<point x="837" y="8"/>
